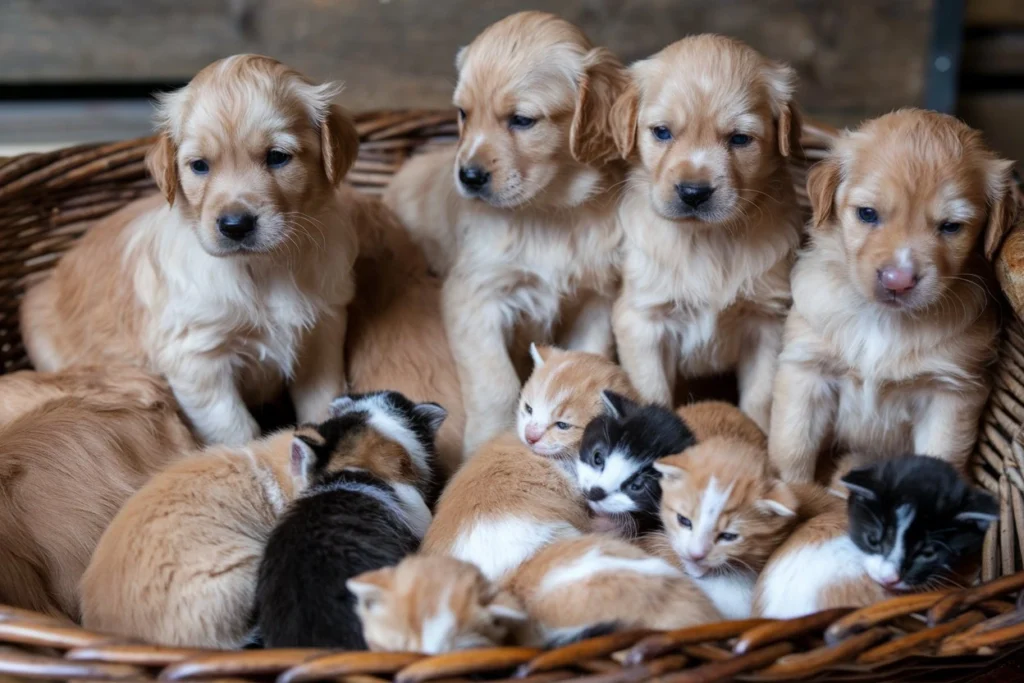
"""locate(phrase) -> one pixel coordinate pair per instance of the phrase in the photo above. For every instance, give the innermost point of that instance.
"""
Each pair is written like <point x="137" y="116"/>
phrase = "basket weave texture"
<point x="48" y="200"/>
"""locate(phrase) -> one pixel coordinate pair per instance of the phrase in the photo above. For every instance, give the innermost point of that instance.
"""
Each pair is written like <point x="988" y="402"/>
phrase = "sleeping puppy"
<point x="892" y="328"/>
<point x="521" y="216"/>
<point x="74" y="446"/>
<point x="711" y="218"/>
<point x="235" y="281"/>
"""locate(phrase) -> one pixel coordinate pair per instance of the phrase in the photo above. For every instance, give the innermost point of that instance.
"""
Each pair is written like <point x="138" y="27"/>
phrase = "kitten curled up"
<point x="724" y="510"/>
<point x="74" y="446"/>
<point x="911" y="523"/>
<point x="504" y="505"/>
<point x="572" y="589"/>
<point x="370" y="469"/>
<point x="178" y="564"/>
<point x="562" y="396"/>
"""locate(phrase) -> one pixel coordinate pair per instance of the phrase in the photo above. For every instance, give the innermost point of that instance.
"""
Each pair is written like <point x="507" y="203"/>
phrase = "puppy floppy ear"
<point x="780" y="80"/>
<point x="624" y="120"/>
<point x="1003" y="209"/>
<point x="822" y="183"/>
<point x="590" y="136"/>
<point x="339" y="142"/>
<point x="162" y="163"/>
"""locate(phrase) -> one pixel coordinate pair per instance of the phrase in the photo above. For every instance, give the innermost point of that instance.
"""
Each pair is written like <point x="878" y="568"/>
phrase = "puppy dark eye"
<point x="528" y="408"/>
<point x="276" y="158"/>
<point x="740" y="140"/>
<point x="597" y="459"/>
<point x="684" y="522"/>
<point x="199" y="166"/>
<point x="563" y="425"/>
<point x="867" y="215"/>
<point x="520" y="122"/>
<point x="950" y="228"/>
<point x="462" y="114"/>
<point x="661" y="133"/>
<point x="726" y="537"/>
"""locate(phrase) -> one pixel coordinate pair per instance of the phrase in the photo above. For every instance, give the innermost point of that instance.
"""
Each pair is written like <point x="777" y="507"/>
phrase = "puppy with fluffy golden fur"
<point x="74" y="446"/>
<point x="396" y="338"/>
<point x="892" y="328"/>
<point x="521" y="216"/>
<point x="710" y="217"/>
<point x="235" y="281"/>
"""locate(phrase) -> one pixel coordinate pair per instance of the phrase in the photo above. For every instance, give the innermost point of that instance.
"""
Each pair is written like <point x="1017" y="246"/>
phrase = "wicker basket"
<point x="48" y="200"/>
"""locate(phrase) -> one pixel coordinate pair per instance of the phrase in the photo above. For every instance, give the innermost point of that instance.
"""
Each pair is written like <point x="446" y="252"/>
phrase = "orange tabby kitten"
<point x="562" y="395"/>
<point x="569" y="588"/>
<point x="724" y="511"/>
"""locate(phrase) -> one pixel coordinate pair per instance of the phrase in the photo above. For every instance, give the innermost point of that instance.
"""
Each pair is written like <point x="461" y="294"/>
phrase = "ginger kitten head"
<point x="432" y="604"/>
<point x="910" y="198"/>
<point x="722" y="506"/>
<point x="562" y="396"/>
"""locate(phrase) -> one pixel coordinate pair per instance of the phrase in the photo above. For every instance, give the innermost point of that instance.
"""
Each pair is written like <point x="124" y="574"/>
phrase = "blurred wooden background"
<point x="102" y="57"/>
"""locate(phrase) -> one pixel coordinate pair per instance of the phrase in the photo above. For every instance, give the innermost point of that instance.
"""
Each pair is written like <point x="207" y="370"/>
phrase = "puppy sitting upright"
<point x="711" y="218"/>
<point x="892" y="327"/>
<point x="237" y="282"/>
<point x="521" y="217"/>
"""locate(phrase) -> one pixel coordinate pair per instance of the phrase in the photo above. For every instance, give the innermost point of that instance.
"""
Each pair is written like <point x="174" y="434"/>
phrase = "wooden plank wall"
<point x="992" y="75"/>
<point x="855" y="59"/>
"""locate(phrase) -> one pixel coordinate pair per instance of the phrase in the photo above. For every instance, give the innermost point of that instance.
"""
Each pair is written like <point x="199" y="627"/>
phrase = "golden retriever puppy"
<point x="396" y="338"/>
<point x="521" y="216"/>
<point x="235" y="281"/>
<point x="892" y="330"/>
<point x="711" y="218"/>
<point x="80" y="443"/>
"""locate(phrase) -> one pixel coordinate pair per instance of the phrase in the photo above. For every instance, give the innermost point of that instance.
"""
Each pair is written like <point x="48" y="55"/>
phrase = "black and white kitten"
<point x="370" y="468"/>
<point x="915" y="519"/>
<point x="615" y="470"/>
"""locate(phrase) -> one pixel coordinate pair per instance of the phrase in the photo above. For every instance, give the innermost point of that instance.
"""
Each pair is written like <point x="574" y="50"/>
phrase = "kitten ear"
<point x="982" y="508"/>
<point x="669" y="472"/>
<point x="617" y="405"/>
<point x="369" y="587"/>
<point x="861" y="483"/>
<point x="505" y="607"/>
<point x="779" y="500"/>
<point x="432" y="412"/>
<point x="302" y="459"/>
<point x="342" y="405"/>
<point x="539" y="355"/>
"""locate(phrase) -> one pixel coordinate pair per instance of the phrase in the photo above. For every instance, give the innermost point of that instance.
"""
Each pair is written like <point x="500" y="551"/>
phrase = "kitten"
<point x="724" y="511"/>
<point x="178" y="564"/>
<point x="614" y="469"/>
<point x="504" y="505"/>
<point x="572" y="589"/>
<point x="910" y="524"/>
<point x="368" y="468"/>
<point x="562" y="396"/>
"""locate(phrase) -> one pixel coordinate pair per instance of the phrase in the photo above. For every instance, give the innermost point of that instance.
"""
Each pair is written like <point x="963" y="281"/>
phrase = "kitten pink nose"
<point x="533" y="434"/>
<point x="898" y="279"/>
<point x="697" y="554"/>
<point x="889" y="580"/>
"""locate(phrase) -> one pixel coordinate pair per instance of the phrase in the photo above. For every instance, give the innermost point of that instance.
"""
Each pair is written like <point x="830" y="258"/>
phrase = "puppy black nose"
<point x="694" y="195"/>
<point x="236" y="226"/>
<point x="596" y="494"/>
<point x="473" y="177"/>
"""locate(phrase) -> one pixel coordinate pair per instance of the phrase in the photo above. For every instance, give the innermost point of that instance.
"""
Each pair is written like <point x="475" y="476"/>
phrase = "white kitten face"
<point x="694" y="537"/>
<point x="885" y="568"/>
<point x="605" y="484"/>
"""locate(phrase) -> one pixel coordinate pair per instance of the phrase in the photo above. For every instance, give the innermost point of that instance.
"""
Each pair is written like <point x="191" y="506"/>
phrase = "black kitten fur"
<point x="916" y="518"/>
<point x="617" y="453"/>
<point x="336" y="532"/>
